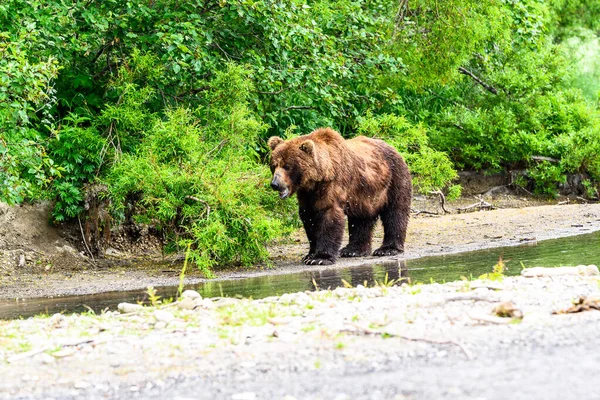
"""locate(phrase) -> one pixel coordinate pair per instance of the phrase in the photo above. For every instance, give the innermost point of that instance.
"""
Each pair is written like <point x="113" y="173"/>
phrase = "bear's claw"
<point x="386" y="251"/>
<point x="346" y="252"/>
<point x="318" y="261"/>
<point x="307" y="257"/>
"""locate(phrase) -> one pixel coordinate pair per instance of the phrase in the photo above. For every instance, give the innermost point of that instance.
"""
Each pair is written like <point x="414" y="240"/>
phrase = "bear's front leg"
<point x="307" y="216"/>
<point x="328" y="231"/>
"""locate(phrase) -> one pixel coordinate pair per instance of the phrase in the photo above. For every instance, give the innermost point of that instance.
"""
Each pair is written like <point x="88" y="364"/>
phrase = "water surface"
<point x="574" y="250"/>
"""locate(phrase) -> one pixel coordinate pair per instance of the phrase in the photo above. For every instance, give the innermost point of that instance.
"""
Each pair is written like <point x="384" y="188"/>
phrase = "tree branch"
<point x="297" y="108"/>
<point x="489" y="88"/>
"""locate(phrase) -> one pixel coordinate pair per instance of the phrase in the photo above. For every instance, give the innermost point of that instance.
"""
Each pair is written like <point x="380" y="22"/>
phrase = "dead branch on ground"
<point x="442" y="200"/>
<point x="481" y="204"/>
<point x="368" y="331"/>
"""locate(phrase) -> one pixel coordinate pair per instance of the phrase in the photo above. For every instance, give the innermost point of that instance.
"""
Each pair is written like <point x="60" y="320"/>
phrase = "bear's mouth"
<point x="284" y="194"/>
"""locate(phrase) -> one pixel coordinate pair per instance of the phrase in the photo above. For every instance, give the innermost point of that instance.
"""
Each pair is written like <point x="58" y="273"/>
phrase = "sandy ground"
<point x="428" y="235"/>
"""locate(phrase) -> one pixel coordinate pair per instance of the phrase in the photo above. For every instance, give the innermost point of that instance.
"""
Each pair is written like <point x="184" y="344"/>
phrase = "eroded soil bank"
<point x="36" y="261"/>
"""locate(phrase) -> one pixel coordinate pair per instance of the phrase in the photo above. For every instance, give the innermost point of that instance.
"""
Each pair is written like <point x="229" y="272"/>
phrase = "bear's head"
<point x="296" y="164"/>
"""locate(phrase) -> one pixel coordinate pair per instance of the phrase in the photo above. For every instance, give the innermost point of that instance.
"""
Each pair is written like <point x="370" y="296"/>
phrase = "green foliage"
<point x="170" y="103"/>
<point x="454" y="192"/>
<point x="546" y="177"/>
<point x="497" y="273"/>
<point x="25" y="97"/>
<point x="436" y="38"/>
<point x="77" y="152"/>
<point x="198" y="180"/>
<point x="431" y="169"/>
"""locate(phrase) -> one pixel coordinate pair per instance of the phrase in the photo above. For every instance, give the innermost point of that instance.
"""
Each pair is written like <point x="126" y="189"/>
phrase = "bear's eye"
<point x="272" y="167"/>
<point x="287" y="167"/>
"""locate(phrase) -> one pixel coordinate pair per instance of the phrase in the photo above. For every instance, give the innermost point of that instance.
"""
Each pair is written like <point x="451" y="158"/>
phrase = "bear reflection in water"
<point x="395" y="272"/>
<point x="362" y="179"/>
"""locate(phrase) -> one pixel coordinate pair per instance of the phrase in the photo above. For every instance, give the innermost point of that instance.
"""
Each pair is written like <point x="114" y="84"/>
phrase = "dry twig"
<point x="368" y="331"/>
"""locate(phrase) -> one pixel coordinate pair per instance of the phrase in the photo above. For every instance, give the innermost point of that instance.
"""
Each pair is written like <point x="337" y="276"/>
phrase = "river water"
<point x="574" y="250"/>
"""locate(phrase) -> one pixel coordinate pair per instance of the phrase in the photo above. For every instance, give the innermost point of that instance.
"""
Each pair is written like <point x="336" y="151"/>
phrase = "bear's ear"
<point x="308" y="147"/>
<point x="274" y="141"/>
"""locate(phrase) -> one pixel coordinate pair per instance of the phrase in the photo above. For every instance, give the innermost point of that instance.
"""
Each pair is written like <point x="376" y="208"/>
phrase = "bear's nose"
<point x="274" y="185"/>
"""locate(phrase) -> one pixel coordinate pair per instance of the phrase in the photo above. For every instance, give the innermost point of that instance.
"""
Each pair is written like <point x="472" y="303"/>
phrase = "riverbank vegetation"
<point x="157" y="112"/>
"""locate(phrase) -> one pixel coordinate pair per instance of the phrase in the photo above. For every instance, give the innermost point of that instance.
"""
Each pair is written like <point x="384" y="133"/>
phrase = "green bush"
<point x="197" y="177"/>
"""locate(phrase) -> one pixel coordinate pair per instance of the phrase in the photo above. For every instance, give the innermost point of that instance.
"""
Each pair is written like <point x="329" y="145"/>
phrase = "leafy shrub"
<point x="197" y="177"/>
<point x="546" y="177"/>
<point x="25" y="96"/>
<point x="77" y="152"/>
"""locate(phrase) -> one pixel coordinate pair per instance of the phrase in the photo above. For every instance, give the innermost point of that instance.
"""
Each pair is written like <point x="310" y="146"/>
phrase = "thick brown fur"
<point x="361" y="178"/>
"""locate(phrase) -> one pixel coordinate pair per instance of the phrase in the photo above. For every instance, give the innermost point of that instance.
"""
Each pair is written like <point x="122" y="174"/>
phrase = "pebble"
<point x="160" y="325"/>
<point x="45" y="358"/>
<point x="57" y="321"/>
<point x="187" y="303"/>
<point x="190" y="294"/>
<point x="81" y="385"/>
<point x="126" y="308"/>
<point x="163" y="316"/>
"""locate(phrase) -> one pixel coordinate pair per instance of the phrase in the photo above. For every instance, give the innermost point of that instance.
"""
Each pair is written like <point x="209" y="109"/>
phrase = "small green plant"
<point x="546" y="177"/>
<point x="415" y="288"/>
<point x="183" y="270"/>
<point x="591" y="191"/>
<point x="387" y="282"/>
<point x="454" y="192"/>
<point x="497" y="273"/>
<point x="153" y="297"/>
<point x="346" y="284"/>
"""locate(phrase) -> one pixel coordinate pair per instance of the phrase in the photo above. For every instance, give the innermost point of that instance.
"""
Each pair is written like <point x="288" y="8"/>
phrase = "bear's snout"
<point x="281" y="187"/>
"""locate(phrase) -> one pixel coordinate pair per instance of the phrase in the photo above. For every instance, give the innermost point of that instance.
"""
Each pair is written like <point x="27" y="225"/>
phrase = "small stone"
<point x="508" y="309"/>
<point x="112" y="252"/>
<point x="63" y="353"/>
<point x="187" y="303"/>
<point x="160" y="325"/>
<point x="225" y="302"/>
<point x="163" y="316"/>
<point x="126" y="308"/>
<point x="81" y="385"/>
<point x="204" y="303"/>
<point x="191" y="294"/>
<point x="45" y="358"/>
<point x="57" y="321"/>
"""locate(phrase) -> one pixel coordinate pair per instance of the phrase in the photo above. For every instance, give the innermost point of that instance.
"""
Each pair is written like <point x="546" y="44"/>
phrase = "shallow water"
<point x="574" y="250"/>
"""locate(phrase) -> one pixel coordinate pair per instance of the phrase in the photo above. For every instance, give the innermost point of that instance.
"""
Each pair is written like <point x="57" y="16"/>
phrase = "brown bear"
<point x="361" y="178"/>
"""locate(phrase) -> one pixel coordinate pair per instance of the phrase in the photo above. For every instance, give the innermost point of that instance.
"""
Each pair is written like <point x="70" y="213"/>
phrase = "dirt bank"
<point x="37" y="261"/>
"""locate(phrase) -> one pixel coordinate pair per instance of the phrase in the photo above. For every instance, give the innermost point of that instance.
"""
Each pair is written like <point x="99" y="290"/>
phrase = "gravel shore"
<point x="401" y="342"/>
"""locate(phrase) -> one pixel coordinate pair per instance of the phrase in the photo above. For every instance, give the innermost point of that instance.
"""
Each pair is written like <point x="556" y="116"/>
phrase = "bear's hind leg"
<point x="395" y="223"/>
<point x="361" y="232"/>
